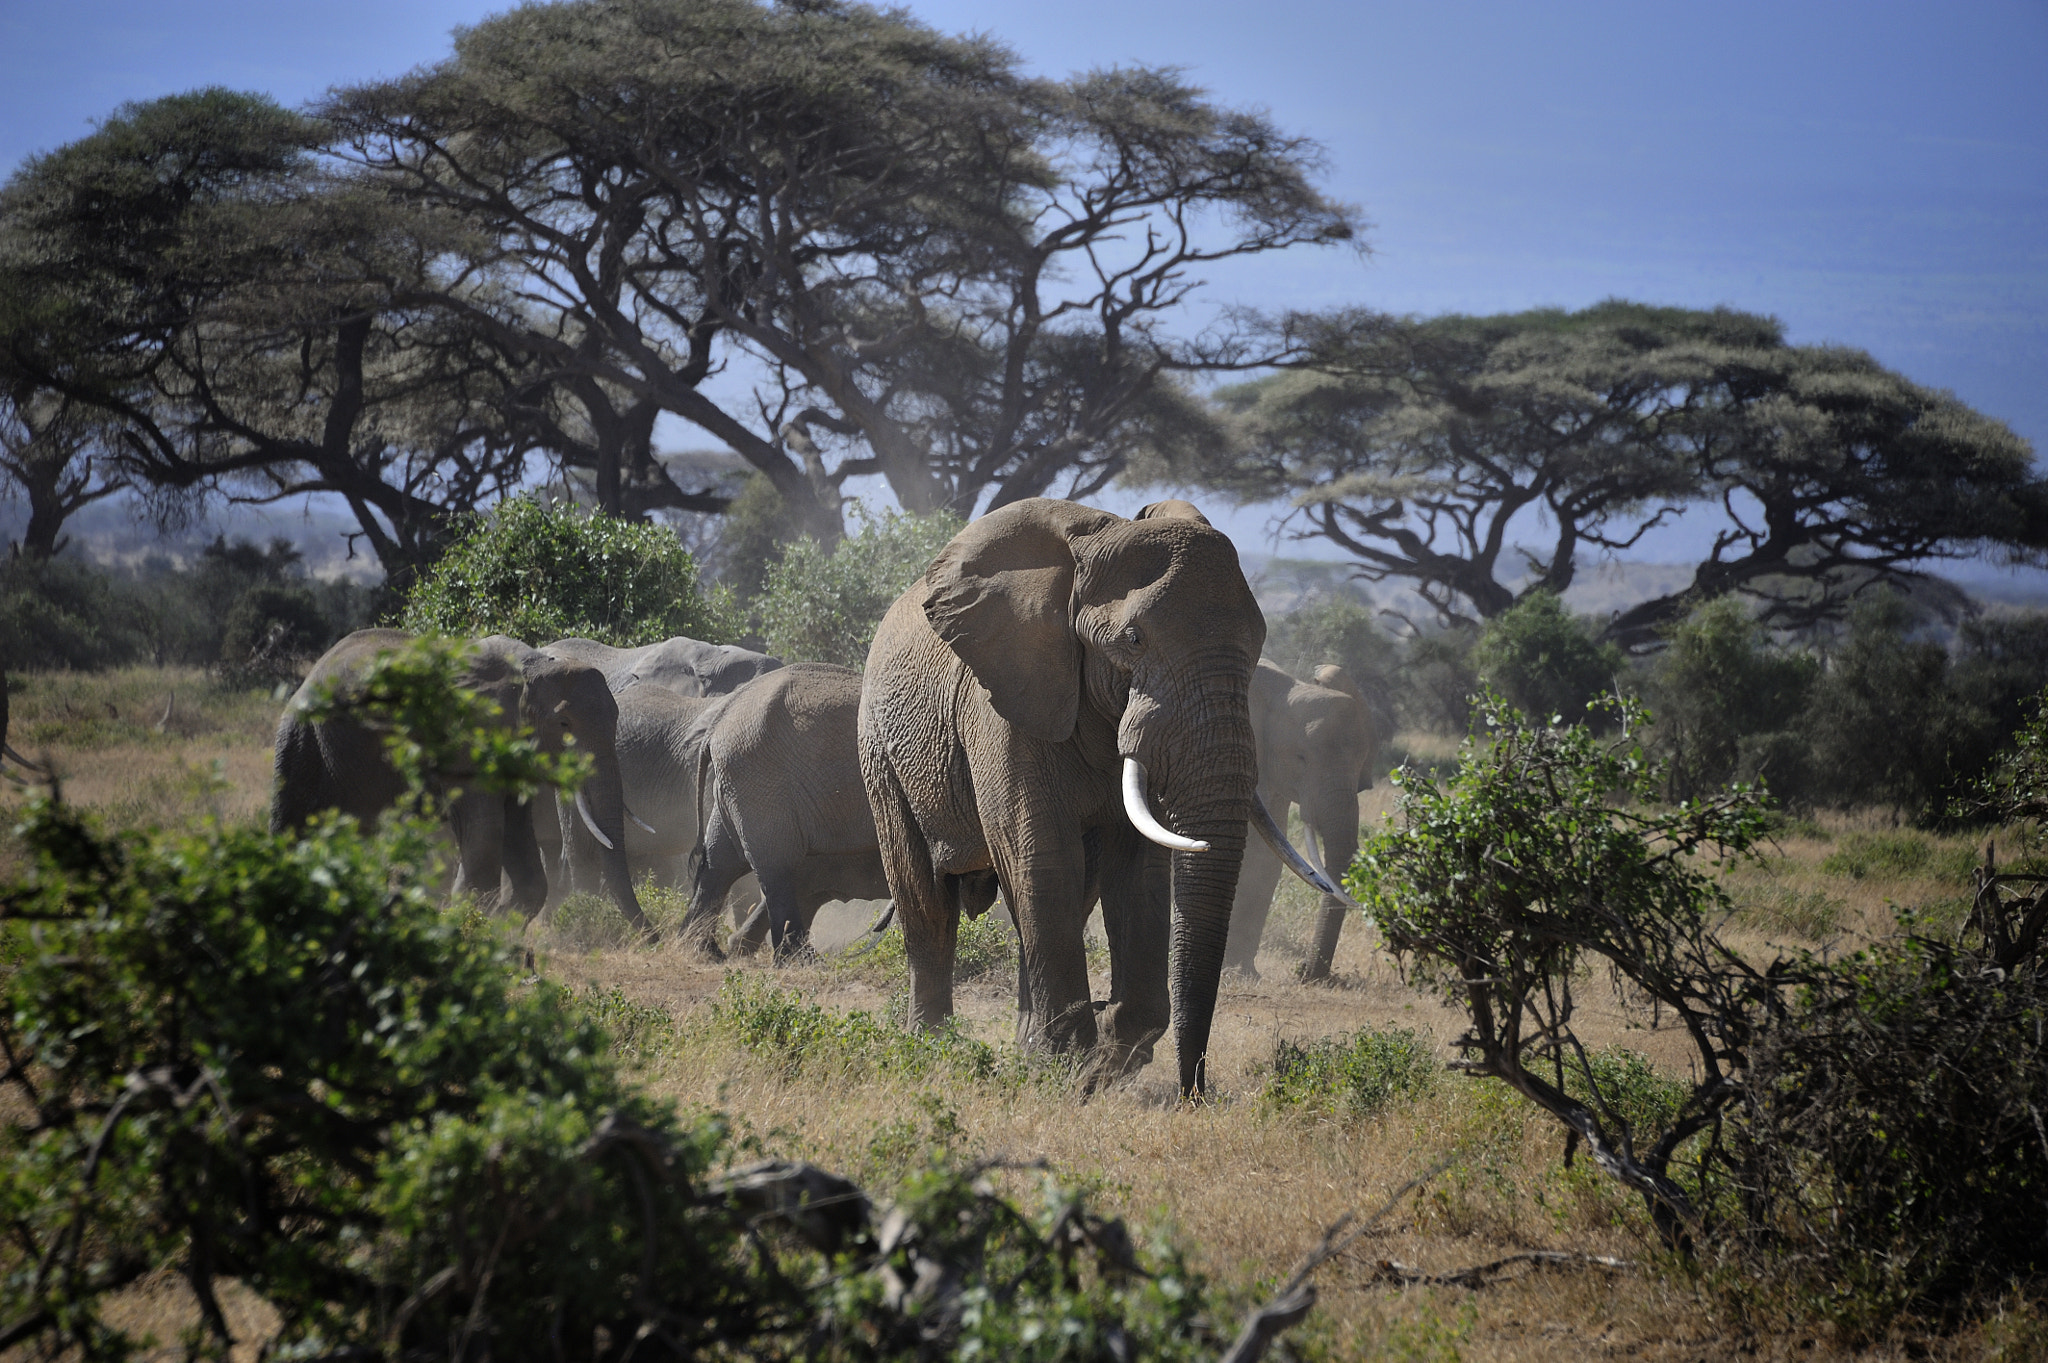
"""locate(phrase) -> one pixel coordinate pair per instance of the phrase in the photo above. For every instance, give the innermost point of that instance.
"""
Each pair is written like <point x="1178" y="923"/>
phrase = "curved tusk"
<point x="642" y="822"/>
<point x="1277" y="840"/>
<point x="882" y="919"/>
<point x="1138" y="807"/>
<point x="590" y="821"/>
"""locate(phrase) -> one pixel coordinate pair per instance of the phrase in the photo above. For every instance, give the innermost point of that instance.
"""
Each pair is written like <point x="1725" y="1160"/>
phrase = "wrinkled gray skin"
<point x="779" y="786"/>
<point x="1045" y="644"/>
<point x="1316" y="745"/>
<point x="341" y="765"/>
<point x="660" y="769"/>
<point x="687" y="667"/>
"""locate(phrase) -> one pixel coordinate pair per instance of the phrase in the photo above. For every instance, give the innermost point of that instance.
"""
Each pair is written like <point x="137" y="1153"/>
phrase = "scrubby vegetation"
<point x="541" y="573"/>
<point x="823" y="605"/>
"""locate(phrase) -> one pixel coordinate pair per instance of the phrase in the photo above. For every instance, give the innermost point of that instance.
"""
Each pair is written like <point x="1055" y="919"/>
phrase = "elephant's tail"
<point x="702" y="804"/>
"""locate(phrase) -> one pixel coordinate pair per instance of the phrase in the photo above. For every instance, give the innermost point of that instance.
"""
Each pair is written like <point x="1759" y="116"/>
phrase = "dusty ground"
<point x="1246" y="1185"/>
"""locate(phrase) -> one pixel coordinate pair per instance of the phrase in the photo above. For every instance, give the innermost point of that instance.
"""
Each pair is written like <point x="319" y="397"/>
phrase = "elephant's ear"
<point x="1334" y="677"/>
<point x="1002" y="597"/>
<point x="1172" y="508"/>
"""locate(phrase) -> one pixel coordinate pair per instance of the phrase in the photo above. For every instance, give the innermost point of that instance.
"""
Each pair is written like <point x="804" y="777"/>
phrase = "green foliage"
<point x="541" y="573"/>
<point x="268" y="1058"/>
<point x="272" y="635"/>
<point x="1354" y="1076"/>
<point x="1625" y="1083"/>
<point x="823" y="606"/>
<point x="62" y="613"/>
<point x="1718" y="683"/>
<point x="1882" y="721"/>
<point x="1054" y="1283"/>
<point x="752" y="536"/>
<point x="1891" y="1133"/>
<point x="803" y="1037"/>
<point x="1862" y="856"/>
<point x="1540" y="857"/>
<point x="1544" y="661"/>
<point x="65" y="613"/>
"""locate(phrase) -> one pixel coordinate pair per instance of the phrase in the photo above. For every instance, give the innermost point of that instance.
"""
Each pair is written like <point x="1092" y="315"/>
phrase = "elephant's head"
<point x="1148" y="627"/>
<point x="567" y="704"/>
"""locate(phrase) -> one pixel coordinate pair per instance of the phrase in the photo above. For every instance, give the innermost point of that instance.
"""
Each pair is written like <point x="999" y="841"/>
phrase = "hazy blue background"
<point x="1874" y="174"/>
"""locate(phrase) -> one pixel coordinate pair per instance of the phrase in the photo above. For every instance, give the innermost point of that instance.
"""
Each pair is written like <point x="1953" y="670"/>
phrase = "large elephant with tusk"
<point x="341" y="765"/>
<point x="1061" y="699"/>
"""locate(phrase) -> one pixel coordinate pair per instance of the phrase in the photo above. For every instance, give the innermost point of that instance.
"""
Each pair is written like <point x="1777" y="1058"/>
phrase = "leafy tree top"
<point x="1426" y="446"/>
<point x="538" y="574"/>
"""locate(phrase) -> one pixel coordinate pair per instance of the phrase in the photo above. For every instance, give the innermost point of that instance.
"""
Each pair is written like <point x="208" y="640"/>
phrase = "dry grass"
<point x="1247" y="1185"/>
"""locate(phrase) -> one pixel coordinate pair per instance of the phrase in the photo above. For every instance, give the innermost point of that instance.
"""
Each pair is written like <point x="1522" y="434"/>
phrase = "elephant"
<point x="1057" y="671"/>
<point x="341" y="765"/>
<point x="662" y="815"/>
<point x="780" y="793"/>
<point x="688" y="667"/>
<point x="1316" y="744"/>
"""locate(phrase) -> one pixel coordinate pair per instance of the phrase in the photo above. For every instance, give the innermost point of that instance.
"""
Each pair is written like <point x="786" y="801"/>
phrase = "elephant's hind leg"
<point x="930" y="918"/>
<point x="718" y="862"/>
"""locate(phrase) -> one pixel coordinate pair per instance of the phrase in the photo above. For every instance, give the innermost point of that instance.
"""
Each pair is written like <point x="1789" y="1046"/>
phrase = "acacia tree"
<point x="55" y="453"/>
<point x="194" y="274"/>
<point x="955" y="277"/>
<point x="1416" y="444"/>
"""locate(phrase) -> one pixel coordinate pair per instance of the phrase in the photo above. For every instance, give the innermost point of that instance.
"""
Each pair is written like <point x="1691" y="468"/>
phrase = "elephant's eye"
<point x="1131" y="636"/>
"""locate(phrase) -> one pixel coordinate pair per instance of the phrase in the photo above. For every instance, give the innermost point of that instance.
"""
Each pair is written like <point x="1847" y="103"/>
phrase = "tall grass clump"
<point x="1352" y="1076"/>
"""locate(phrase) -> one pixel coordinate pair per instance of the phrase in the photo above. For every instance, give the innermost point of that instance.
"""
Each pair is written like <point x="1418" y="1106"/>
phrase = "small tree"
<point x="1718" y="684"/>
<point x="823" y="606"/>
<point x="542" y="573"/>
<point x="1542" y="857"/>
<point x="1543" y="660"/>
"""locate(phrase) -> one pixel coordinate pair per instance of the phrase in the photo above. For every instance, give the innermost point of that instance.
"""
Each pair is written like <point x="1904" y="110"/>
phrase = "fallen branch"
<point x="1479" y="1275"/>
<point x="1298" y="1294"/>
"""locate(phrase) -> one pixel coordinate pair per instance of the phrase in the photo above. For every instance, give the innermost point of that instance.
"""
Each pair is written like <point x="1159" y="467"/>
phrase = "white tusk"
<point x="642" y="822"/>
<point x="590" y="821"/>
<point x="1277" y="840"/>
<point x="1139" y="809"/>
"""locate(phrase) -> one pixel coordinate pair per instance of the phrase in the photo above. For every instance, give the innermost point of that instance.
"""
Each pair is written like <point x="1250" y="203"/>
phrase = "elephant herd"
<point x="1068" y="709"/>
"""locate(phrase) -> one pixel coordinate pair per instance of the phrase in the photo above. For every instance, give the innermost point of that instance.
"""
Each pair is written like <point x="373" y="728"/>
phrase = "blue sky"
<point x="1874" y="174"/>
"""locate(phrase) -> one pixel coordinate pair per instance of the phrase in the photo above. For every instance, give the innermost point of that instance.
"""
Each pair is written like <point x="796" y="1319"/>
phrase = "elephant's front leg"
<point x="1137" y="917"/>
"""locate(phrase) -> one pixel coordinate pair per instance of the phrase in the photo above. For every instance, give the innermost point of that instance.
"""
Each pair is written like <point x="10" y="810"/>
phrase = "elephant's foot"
<point x="700" y="937"/>
<point x="1313" y="972"/>
<point x="1070" y="1031"/>
<point x="1127" y="1039"/>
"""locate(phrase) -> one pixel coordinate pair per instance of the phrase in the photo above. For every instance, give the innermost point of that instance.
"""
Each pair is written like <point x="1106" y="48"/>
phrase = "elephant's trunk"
<point x="1198" y="749"/>
<point x="1331" y="817"/>
<point x="602" y="802"/>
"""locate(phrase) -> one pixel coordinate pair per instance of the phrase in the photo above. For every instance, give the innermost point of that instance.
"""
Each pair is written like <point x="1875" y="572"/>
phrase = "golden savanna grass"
<point x="1246" y="1185"/>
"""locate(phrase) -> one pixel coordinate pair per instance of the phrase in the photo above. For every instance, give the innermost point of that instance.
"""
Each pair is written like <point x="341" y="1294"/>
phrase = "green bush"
<point x="1718" y="683"/>
<point x="61" y="613"/>
<point x="266" y="1059"/>
<point x="802" y="1037"/>
<point x="539" y="573"/>
<point x="823" y="606"/>
<point x="1544" y="661"/>
<point x="1891" y="1143"/>
<point x="1354" y="1076"/>
<point x="272" y="634"/>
